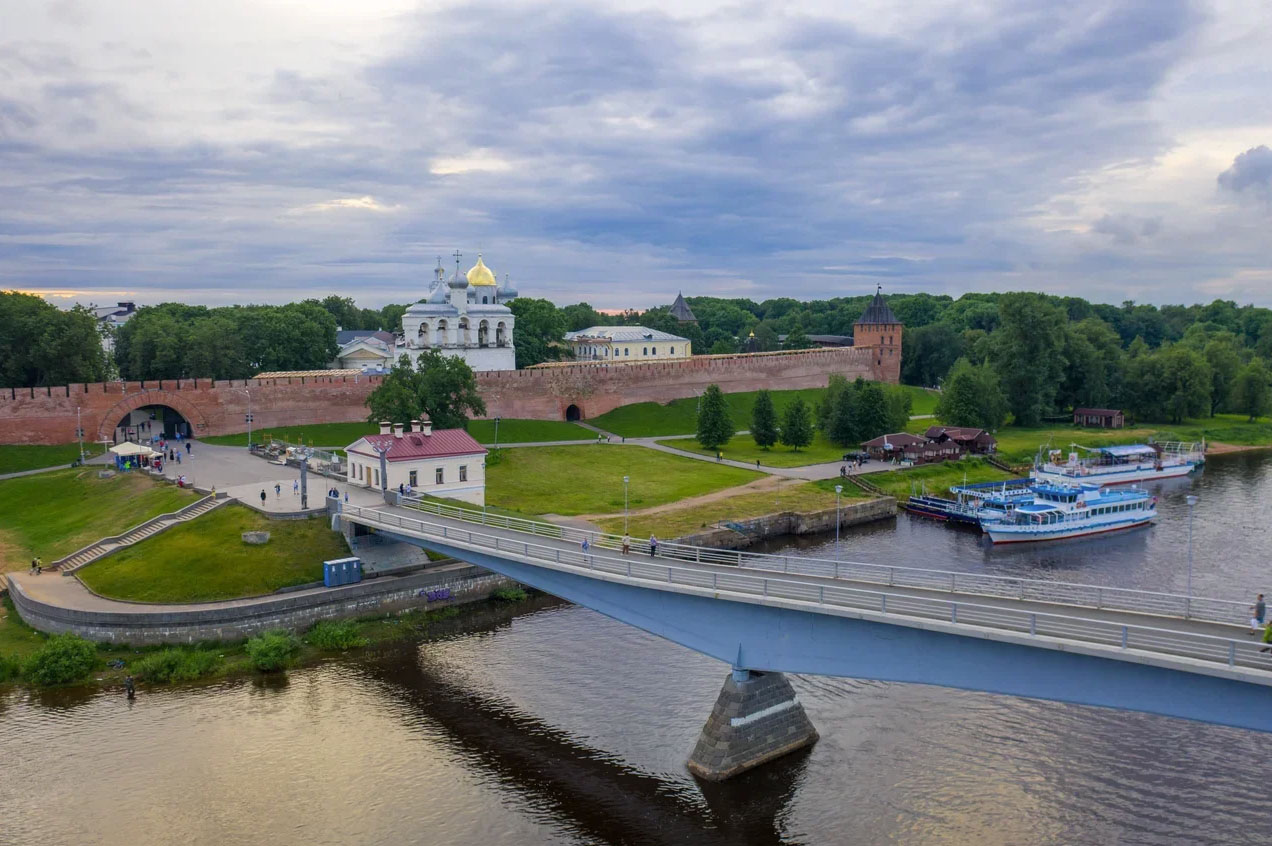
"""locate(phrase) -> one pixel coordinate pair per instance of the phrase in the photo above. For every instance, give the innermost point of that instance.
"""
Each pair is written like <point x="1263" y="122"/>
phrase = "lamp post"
<point x="384" y="467"/>
<point x="1192" y="501"/>
<point x="626" y="479"/>
<point x="496" y="433"/>
<point x="249" y="419"/>
<point x="79" y="433"/>
<point x="838" y="490"/>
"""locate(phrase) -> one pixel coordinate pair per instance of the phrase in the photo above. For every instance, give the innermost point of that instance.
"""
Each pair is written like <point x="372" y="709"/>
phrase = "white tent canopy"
<point x="129" y="448"/>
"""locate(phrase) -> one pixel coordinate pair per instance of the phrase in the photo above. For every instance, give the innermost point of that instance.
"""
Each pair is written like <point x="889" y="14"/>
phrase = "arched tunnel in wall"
<point x="149" y="421"/>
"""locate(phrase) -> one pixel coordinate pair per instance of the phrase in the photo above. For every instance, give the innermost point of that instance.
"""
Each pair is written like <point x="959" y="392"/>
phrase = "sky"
<point x="617" y="153"/>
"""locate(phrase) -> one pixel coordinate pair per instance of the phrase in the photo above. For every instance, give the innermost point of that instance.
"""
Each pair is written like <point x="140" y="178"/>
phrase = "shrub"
<point x="63" y="659"/>
<point x="172" y="665"/>
<point x="272" y="651"/>
<point x="335" y="636"/>
<point x="10" y="668"/>
<point x="510" y="593"/>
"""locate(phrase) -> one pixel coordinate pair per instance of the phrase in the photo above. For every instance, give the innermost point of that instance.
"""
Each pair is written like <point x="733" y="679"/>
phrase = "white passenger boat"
<point x="1071" y="511"/>
<point x="1121" y="465"/>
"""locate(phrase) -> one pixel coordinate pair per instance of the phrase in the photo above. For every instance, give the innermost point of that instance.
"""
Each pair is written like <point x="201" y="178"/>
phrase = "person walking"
<point x="278" y="490"/>
<point x="1258" y="613"/>
<point x="583" y="545"/>
<point x="653" y="546"/>
<point x="262" y="497"/>
<point x="39" y="565"/>
<point x="627" y="544"/>
<point x="757" y="464"/>
<point x="1267" y="637"/>
<point x="33" y="560"/>
<point x="187" y="447"/>
<point x="295" y="487"/>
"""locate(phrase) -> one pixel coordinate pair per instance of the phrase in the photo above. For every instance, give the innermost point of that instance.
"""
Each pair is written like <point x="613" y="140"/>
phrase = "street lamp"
<point x="79" y="433"/>
<point x="496" y="433"/>
<point x="249" y="418"/>
<point x="1192" y="501"/>
<point x="838" y="490"/>
<point x="626" y="479"/>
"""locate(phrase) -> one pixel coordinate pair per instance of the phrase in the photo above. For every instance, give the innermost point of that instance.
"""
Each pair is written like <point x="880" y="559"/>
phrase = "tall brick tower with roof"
<point x="879" y="328"/>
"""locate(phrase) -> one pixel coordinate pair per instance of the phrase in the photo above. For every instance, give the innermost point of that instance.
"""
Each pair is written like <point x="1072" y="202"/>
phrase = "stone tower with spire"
<point x="879" y="329"/>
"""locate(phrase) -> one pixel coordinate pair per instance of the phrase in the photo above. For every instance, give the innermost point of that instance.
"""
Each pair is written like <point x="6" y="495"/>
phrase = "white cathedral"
<point x="465" y="316"/>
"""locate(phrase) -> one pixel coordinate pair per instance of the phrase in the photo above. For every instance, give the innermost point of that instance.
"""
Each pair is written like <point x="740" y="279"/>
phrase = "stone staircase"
<point x="100" y="549"/>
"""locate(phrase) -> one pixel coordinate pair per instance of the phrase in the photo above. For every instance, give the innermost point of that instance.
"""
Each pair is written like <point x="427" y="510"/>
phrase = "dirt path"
<point x="1217" y="448"/>
<point x="768" y="483"/>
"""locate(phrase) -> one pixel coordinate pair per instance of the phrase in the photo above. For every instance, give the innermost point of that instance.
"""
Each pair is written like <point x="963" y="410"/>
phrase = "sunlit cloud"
<point x="472" y="163"/>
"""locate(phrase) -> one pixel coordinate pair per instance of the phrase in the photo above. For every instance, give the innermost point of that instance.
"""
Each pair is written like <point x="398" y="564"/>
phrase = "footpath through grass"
<point x="14" y="458"/>
<point x="342" y="434"/>
<point x="206" y="559"/>
<point x="743" y="448"/>
<point x="589" y="479"/>
<point x="55" y="513"/>
<point x="674" y="523"/>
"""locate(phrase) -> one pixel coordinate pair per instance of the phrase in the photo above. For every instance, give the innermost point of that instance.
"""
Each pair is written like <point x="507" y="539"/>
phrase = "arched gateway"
<point x="118" y="413"/>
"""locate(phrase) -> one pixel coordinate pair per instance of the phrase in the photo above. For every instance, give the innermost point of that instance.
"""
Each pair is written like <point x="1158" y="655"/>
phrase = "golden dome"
<point x="480" y="274"/>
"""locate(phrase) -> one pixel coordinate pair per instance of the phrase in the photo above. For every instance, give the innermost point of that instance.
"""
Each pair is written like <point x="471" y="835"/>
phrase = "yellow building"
<point x="626" y="344"/>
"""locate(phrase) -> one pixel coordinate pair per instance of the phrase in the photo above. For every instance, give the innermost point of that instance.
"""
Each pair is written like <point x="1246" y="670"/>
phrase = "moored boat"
<point x="1121" y="465"/>
<point x="1069" y="511"/>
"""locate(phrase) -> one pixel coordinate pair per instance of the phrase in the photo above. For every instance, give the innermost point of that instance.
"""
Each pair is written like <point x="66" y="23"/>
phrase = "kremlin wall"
<point x="546" y="392"/>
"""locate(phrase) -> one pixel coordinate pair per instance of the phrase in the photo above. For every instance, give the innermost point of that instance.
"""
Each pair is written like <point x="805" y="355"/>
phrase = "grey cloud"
<point x="1127" y="229"/>
<point x="1251" y="171"/>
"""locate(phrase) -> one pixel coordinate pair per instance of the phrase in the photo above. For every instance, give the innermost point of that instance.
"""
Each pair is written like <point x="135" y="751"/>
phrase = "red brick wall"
<point x="47" y="415"/>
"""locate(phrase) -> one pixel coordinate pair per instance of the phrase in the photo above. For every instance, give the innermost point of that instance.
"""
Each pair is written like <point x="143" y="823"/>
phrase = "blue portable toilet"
<point x="341" y="571"/>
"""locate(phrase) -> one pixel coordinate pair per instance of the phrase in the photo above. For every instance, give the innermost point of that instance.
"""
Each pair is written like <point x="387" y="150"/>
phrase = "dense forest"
<point x="1020" y="355"/>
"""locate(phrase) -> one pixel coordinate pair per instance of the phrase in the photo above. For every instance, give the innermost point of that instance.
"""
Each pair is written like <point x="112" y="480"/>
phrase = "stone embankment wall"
<point x="792" y="523"/>
<point x="48" y="415"/>
<point x="235" y="621"/>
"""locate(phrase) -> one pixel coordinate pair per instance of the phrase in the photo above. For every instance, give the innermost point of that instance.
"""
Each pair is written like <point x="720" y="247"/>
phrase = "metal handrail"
<point x="742" y="582"/>
<point x="1205" y="609"/>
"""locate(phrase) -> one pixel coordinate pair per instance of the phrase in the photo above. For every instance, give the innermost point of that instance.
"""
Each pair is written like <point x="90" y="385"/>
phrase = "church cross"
<point x="458" y="255"/>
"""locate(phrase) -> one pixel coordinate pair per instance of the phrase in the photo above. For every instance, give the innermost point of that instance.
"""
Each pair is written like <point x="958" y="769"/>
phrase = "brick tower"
<point x="879" y="329"/>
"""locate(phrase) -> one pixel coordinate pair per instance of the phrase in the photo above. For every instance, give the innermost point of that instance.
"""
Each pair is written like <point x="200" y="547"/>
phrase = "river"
<point x="556" y="725"/>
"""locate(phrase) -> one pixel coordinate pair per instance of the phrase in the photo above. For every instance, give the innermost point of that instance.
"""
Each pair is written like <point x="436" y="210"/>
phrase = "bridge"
<point x="767" y="615"/>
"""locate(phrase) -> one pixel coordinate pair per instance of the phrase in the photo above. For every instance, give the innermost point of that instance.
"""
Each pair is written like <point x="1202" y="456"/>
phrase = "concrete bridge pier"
<point x="756" y="719"/>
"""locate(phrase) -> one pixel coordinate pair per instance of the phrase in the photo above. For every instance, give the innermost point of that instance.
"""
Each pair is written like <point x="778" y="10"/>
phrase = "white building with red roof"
<point x="444" y="463"/>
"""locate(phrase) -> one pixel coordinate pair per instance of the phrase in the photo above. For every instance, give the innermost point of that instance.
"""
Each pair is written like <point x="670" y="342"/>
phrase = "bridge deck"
<point x="1206" y="646"/>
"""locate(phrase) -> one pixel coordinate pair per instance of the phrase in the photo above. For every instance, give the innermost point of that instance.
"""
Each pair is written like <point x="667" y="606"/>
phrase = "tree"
<point x="43" y="345"/>
<point x="928" y="353"/>
<point x="797" y="425"/>
<point x="972" y="397"/>
<point x="1252" y="390"/>
<point x="715" y="425"/>
<point x="540" y="329"/>
<point x="1223" y="356"/>
<point x="764" y="421"/>
<point x="870" y="411"/>
<point x="1028" y="354"/>
<point x="391" y="317"/>
<point x="723" y="347"/>
<point x="441" y="388"/>
<point x="899" y="405"/>
<point x="797" y="339"/>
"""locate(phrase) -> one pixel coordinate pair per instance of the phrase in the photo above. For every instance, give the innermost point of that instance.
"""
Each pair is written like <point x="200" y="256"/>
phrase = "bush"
<point x="173" y="665"/>
<point x="510" y="593"/>
<point x="10" y="668"/>
<point x="272" y="651"/>
<point x="63" y="659"/>
<point x="331" y="635"/>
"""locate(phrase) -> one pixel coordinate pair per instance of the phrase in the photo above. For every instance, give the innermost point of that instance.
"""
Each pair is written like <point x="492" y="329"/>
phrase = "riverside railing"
<point x="1002" y="587"/>
<point x="730" y="579"/>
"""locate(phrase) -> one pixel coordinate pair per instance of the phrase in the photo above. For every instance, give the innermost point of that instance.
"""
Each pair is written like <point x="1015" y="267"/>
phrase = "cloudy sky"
<point x="617" y="152"/>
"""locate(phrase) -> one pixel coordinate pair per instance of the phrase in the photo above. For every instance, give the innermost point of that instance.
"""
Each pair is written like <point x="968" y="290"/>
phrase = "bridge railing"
<point x="655" y="571"/>
<point x="1002" y="587"/>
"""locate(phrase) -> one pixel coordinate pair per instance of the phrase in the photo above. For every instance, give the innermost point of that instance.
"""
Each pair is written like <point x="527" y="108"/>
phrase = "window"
<point x="463" y="472"/>
<point x="627" y="351"/>
<point x="413" y="479"/>
<point x="377" y="478"/>
<point x="671" y="351"/>
<point x="654" y="350"/>
<point x="644" y="351"/>
<point x="439" y="477"/>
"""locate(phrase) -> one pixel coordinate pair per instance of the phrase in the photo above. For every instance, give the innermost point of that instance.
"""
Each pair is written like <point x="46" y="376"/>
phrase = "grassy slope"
<point x="743" y="448"/>
<point x="55" y="513"/>
<point x="936" y="477"/>
<point x="206" y="559"/>
<point x="343" y="434"/>
<point x="589" y="479"/>
<point x="16" y="458"/>
<point x="682" y="521"/>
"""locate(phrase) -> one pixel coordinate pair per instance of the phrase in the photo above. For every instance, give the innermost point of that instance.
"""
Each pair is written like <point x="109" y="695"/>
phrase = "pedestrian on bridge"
<point x="1267" y="637"/>
<point x="1259" y="613"/>
<point x="627" y="544"/>
<point x="653" y="546"/>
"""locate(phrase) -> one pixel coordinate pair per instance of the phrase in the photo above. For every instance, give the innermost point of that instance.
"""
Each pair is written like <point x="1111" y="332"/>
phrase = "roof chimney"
<point x="397" y="429"/>
<point x="384" y="427"/>
<point x="415" y="425"/>
<point x="428" y="426"/>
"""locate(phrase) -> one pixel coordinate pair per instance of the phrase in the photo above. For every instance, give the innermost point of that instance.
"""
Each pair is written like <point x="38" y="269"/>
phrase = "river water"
<point x="556" y="725"/>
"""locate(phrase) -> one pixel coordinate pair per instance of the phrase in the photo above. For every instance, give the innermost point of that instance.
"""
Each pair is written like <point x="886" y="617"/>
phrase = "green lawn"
<point x="15" y="458"/>
<point x="589" y="479"/>
<point x="680" y="417"/>
<point x="743" y="448"/>
<point x="206" y="559"/>
<point x="937" y="478"/>
<point x="678" y="522"/>
<point x="55" y="513"/>
<point x="343" y="434"/>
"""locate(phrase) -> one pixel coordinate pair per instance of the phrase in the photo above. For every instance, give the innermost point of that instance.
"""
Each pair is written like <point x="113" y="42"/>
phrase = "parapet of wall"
<point x="48" y="415"/>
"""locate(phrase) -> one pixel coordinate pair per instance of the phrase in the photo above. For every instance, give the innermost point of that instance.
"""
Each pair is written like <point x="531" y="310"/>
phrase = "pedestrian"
<point x="39" y="565"/>
<point x="1258" y="613"/>
<point x="262" y="497"/>
<point x="178" y="458"/>
<point x="295" y="487"/>
<point x="719" y="455"/>
<point x="187" y="447"/>
<point x="33" y="566"/>
<point x="653" y="546"/>
<point x="583" y="545"/>
<point x="346" y="496"/>
<point x="627" y="544"/>
<point x="843" y="470"/>
<point x="757" y="464"/>
<point x="278" y="490"/>
<point x="1267" y="637"/>
<point x="130" y="689"/>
